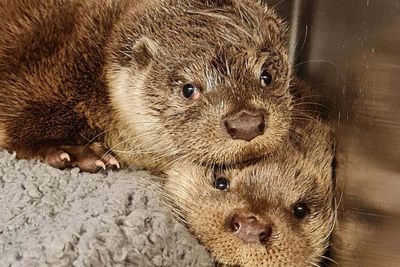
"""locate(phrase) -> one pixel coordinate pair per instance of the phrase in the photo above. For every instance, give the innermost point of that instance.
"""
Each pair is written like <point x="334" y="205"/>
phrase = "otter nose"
<point x="244" y="125"/>
<point x="248" y="228"/>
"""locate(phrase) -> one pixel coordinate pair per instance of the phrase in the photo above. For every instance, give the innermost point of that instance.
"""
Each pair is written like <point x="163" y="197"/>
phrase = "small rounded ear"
<point x="143" y="51"/>
<point x="316" y="140"/>
<point x="136" y="52"/>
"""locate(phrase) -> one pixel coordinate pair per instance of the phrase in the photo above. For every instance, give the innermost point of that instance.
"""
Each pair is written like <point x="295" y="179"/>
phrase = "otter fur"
<point x="279" y="211"/>
<point x="153" y="82"/>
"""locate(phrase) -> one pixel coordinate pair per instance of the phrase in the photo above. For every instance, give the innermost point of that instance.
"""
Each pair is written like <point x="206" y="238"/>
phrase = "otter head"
<point x="205" y="80"/>
<point x="277" y="212"/>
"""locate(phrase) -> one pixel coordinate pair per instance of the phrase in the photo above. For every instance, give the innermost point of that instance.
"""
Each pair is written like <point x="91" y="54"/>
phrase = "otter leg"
<point x="90" y="158"/>
<point x="55" y="132"/>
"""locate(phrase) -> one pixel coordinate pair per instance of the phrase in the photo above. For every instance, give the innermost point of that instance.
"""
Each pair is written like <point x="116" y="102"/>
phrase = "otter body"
<point x="276" y="212"/>
<point x="154" y="81"/>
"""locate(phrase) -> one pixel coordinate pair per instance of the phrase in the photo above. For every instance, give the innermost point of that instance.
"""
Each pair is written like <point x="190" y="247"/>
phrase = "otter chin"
<point x="152" y="81"/>
<point x="279" y="211"/>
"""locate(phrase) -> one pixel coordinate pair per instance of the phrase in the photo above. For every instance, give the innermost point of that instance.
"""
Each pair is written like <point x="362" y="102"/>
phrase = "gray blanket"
<point x="50" y="217"/>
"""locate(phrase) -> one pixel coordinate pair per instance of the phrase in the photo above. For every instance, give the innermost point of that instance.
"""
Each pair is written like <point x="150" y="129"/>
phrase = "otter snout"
<point x="250" y="229"/>
<point x="244" y="125"/>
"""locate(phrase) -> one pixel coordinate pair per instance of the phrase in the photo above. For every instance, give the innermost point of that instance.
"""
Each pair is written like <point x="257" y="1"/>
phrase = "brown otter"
<point x="277" y="212"/>
<point x="153" y="80"/>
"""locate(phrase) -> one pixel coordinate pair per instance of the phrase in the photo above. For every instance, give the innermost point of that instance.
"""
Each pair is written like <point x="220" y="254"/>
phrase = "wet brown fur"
<point x="74" y="72"/>
<point x="300" y="172"/>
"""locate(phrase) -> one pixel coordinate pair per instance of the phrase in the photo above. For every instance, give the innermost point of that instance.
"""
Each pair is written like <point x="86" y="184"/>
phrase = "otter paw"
<point x="90" y="158"/>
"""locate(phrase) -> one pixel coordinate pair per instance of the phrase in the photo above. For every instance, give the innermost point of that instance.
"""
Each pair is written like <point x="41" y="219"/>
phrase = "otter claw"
<point x="65" y="157"/>
<point x="113" y="162"/>
<point x="89" y="158"/>
<point x="100" y="164"/>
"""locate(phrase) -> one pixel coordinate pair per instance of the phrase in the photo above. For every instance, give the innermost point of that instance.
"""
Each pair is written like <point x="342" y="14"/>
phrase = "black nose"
<point x="244" y="125"/>
<point x="248" y="228"/>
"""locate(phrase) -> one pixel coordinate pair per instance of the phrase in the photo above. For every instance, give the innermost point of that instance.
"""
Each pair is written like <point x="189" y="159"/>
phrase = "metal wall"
<point x="349" y="50"/>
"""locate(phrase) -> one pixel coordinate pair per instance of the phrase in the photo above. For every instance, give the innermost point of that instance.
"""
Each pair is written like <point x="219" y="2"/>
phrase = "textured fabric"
<point x="50" y="217"/>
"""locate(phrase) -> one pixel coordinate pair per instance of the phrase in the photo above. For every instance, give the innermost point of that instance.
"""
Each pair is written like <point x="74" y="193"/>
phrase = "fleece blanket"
<point x="50" y="217"/>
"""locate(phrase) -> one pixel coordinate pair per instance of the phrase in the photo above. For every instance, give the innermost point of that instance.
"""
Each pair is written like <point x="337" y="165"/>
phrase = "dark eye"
<point x="300" y="210"/>
<point x="190" y="92"/>
<point x="221" y="183"/>
<point x="265" y="78"/>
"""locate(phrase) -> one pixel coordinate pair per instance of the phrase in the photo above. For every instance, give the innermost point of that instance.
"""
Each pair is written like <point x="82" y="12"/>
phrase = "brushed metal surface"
<point x="349" y="50"/>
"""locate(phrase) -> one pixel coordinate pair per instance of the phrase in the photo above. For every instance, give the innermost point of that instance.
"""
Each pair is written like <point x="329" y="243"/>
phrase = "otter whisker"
<point x="312" y="264"/>
<point x="90" y="141"/>
<point x="329" y="259"/>
<point x="309" y="103"/>
<point x="315" y="61"/>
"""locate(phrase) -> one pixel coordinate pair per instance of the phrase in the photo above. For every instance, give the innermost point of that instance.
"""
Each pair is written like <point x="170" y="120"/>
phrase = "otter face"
<point x="229" y="105"/>
<point x="277" y="212"/>
<point x="207" y="80"/>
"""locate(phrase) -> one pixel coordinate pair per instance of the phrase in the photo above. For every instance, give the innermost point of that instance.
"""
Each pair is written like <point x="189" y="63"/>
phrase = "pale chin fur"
<point x="143" y="130"/>
<point x="183" y="172"/>
<point x="127" y="98"/>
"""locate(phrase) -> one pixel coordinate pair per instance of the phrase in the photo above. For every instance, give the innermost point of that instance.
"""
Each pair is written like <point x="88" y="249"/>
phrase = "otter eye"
<point x="265" y="78"/>
<point x="221" y="183"/>
<point x="190" y="92"/>
<point x="300" y="210"/>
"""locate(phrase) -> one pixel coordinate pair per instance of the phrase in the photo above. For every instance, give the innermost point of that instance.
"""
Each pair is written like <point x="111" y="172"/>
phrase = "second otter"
<point x="277" y="212"/>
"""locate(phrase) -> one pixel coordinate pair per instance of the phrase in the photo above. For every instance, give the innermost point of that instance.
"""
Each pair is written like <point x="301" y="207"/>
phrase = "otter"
<point x="279" y="211"/>
<point x="99" y="83"/>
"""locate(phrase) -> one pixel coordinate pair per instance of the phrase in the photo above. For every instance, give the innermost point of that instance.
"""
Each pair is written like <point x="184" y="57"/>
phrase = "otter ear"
<point x="143" y="51"/>
<point x="135" y="51"/>
<point x="316" y="140"/>
<point x="322" y="146"/>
